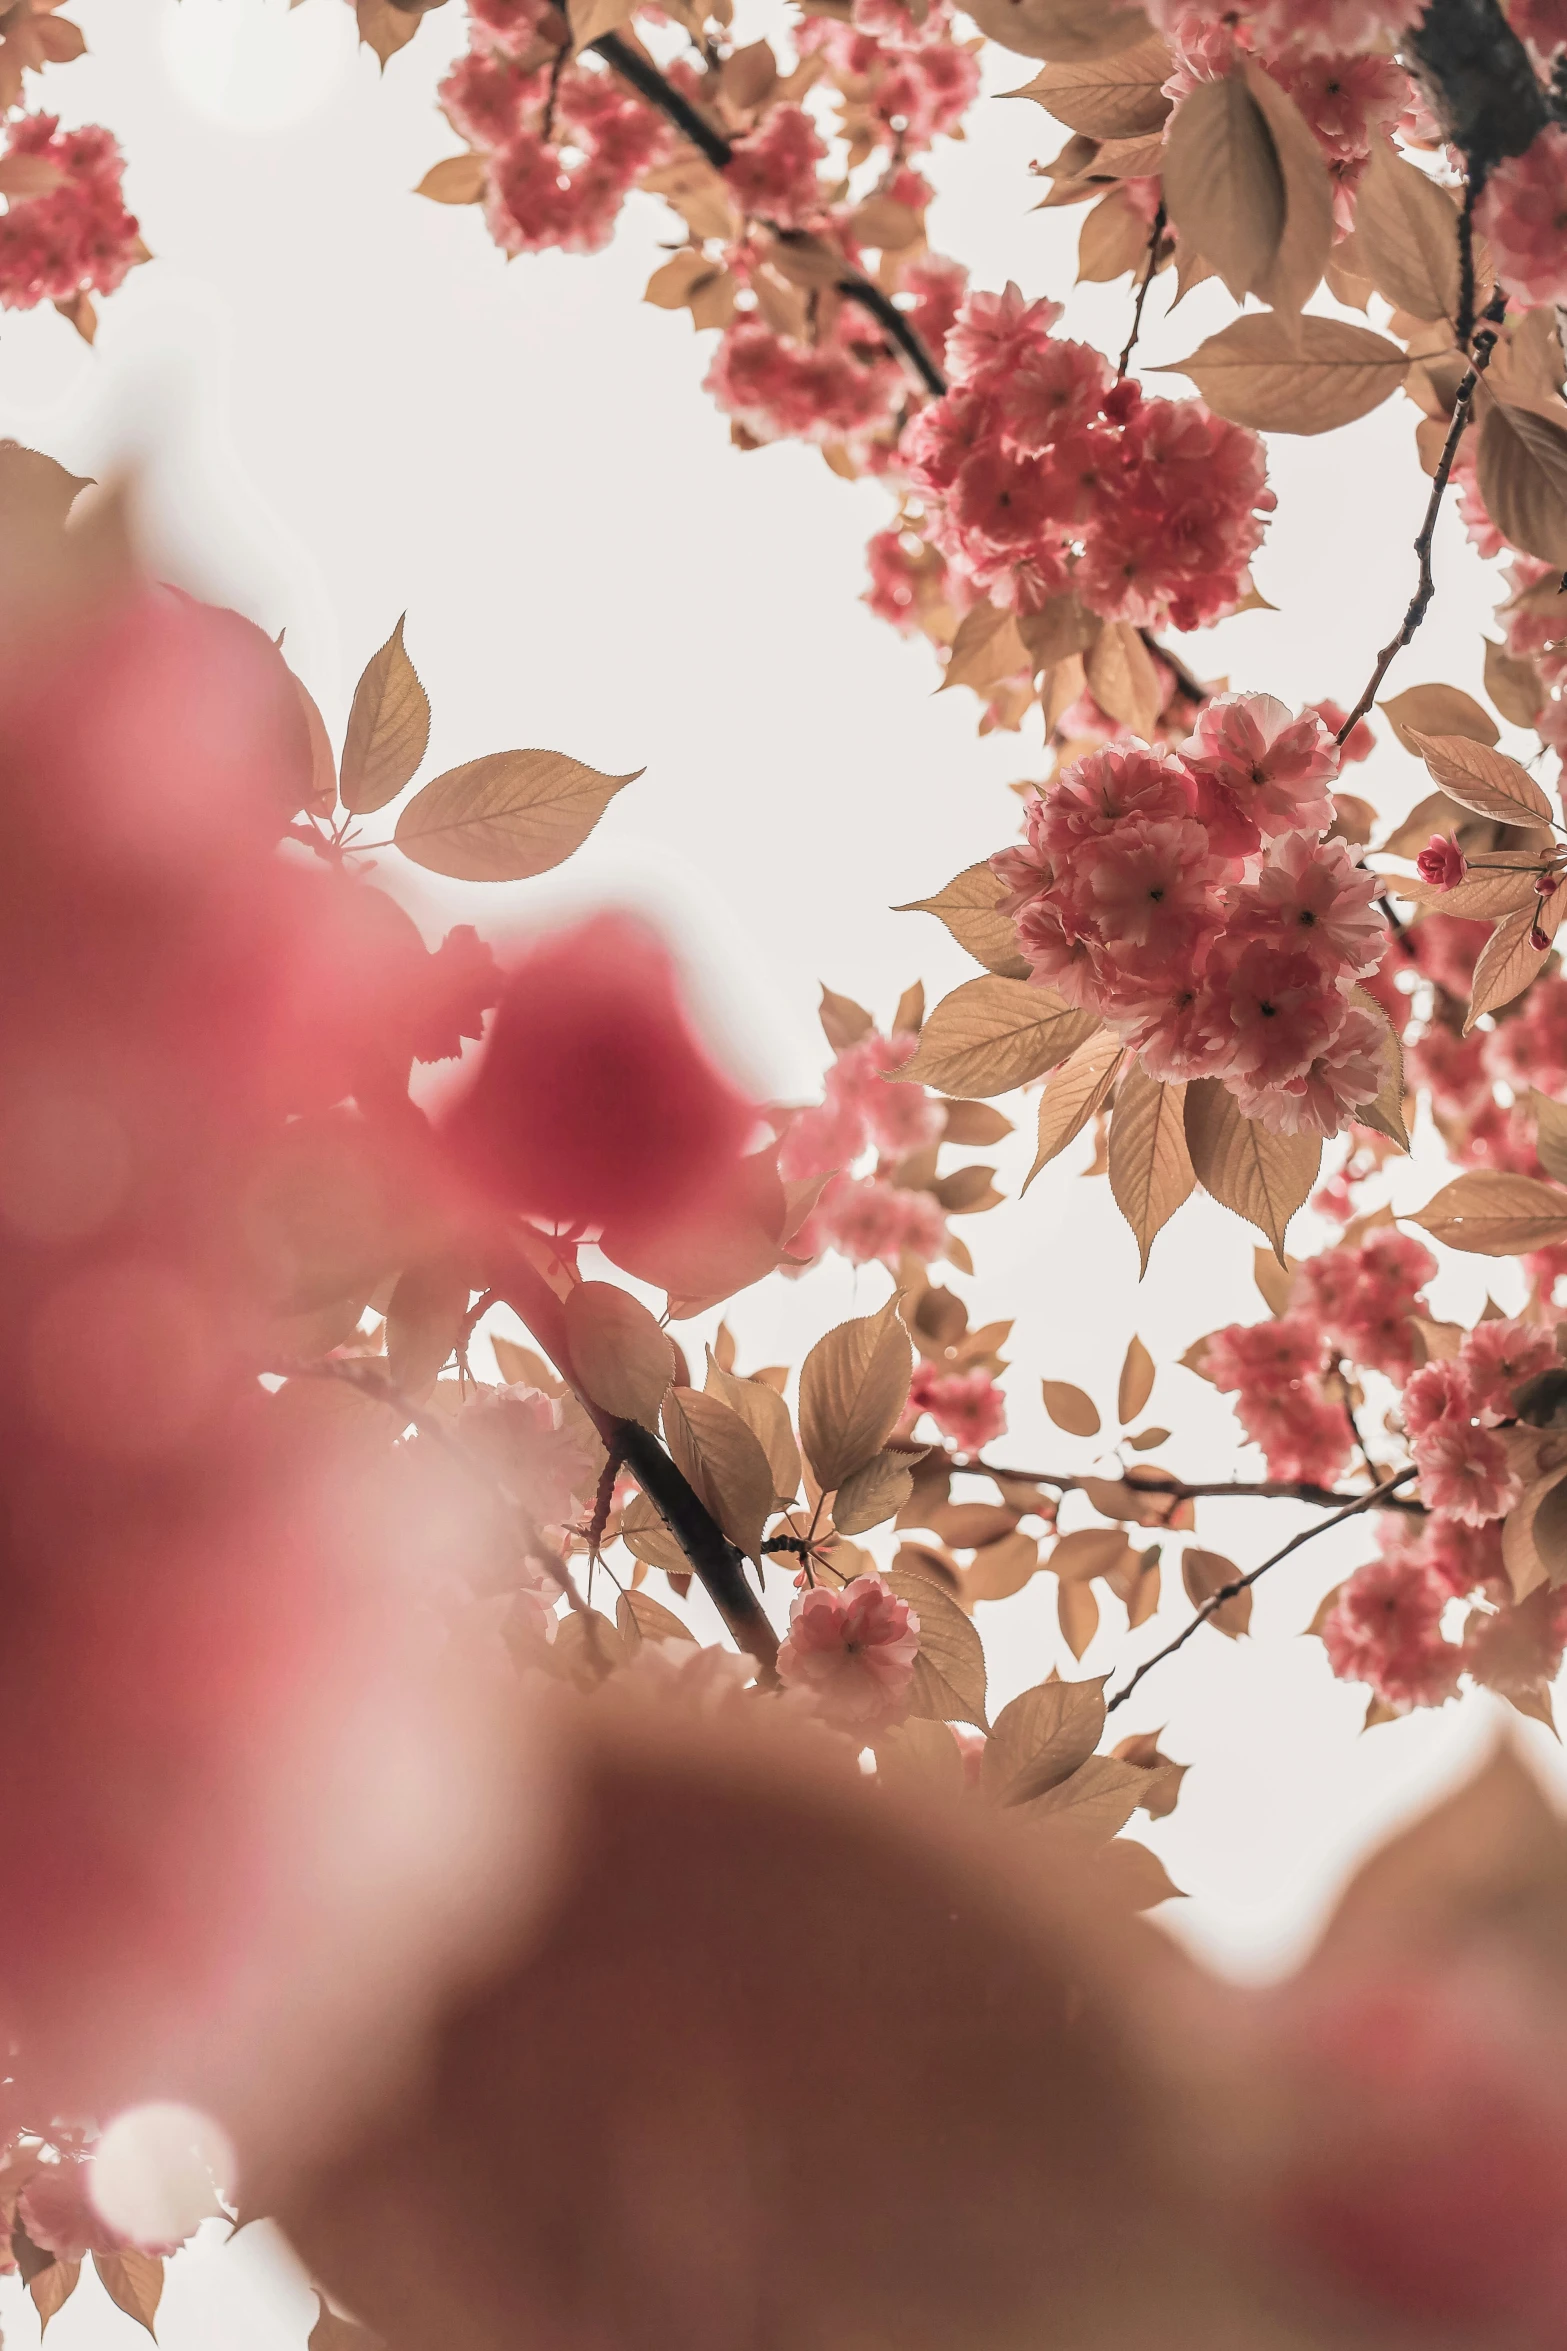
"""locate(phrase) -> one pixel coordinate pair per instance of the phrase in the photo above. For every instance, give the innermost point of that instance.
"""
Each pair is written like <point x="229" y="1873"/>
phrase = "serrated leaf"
<point x="1087" y="1552"/>
<point x="723" y="1462"/>
<point x="854" y="1385"/>
<point x="1521" y="469"/>
<point x="52" y="2288"/>
<point x="1136" y="1382"/>
<point x="874" y="1492"/>
<point x="646" y="1537"/>
<point x="1077" y="1092"/>
<point x="1513" y="956"/>
<point x="1261" y="1176"/>
<point x="456" y="179"/>
<point x="1206" y="1572"/>
<point x="1514" y="685"/>
<point x="843" y="1021"/>
<point x="1385" y="1115"/>
<point x="1495" y="1215"/>
<point x="133" y="2282"/>
<point x="1550" y="1135"/>
<point x="1123" y="680"/>
<point x="999" y="1569"/>
<point x="991" y="1035"/>
<point x="621" y="1357"/>
<point x="1041" y="1738"/>
<point x="1150" y="1166"/>
<point x="385" y="28"/>
<point x="1294" y="272"/>
<point x="1503" y="882"/>
<point x="1070" y="1409"/>
<point x="1116" y="97"/>
<point x="967" y="907"/>
<point x="1437" y="711"/>
<point x="424" y="1321"/>
<point x="388" y="729"/>
<point x="765" y="1413"/>
<point x="1289" y="375"/>
<point x="639" y="1617"/>
<point x="986" y="649"/>
<point x="949" y="1647"/>
<point x="521" y="1367"/>
<point x="505" y="817"/>
<point x="1406" y="235"/>
<point x="590" y="20"/>
<point x="1223" y="185"/>
<point x="1096" y="1801"/>
<point x="1481" y="779"/>
<point x="1060" y="30"/>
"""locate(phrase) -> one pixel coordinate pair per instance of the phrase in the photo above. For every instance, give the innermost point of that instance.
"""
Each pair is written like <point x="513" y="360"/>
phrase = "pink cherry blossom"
<point x="967" y="1406"/>
<point x="1260" y="771"/>
<point x="1523" y="214"/>
<point x="1497" y="1357"/>
<point x="77" y="237"/>
<point x="1442" y="863"/>
<point x="1439" y="1391"/>
<point x="1463" y="1471"/>
<point x="1276" y="1005"/>
<point x="1341" y="1078"/>
<point x="1312" y="895"/>
<point x="995" y="331"/>
<point x="773" y="170"/>
<point x="852" y="1654"/>
<point x="1385" y="1629"/>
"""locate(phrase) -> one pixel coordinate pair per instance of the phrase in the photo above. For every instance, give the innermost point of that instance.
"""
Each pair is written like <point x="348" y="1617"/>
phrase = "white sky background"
<point x="346" y="402"/>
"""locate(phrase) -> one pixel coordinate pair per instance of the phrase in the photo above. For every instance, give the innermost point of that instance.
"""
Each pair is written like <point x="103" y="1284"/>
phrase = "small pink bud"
<point x="1442" y="863"/>
<point x="1547" y="884"/>
<point x="1538" y="939"/>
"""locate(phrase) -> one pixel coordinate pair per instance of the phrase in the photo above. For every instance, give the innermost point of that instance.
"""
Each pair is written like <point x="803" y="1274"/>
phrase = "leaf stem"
<point x="1376" y="1499"/>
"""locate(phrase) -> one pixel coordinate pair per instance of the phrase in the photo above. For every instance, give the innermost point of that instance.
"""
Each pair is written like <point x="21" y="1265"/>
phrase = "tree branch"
<point x="1183" y="1490"/>
<point x="1419" y="603"/>
<point x="1376" y="1499"/>
<point x="853" y="285"/>
<point x="1146" y="280"/>
<point x="1477" y="79"/>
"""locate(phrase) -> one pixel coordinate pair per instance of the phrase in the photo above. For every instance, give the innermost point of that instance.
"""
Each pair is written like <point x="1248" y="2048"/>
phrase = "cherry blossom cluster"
<point x="1453" y="1408"/>
<point x="1316" y="27"/>
<point x="868" y="1217"/>
<point x="1523" y="213"/>
<point x="74" y="237"/>
<point x="1386" y="1625"/>
<point x="1040" y="473"/>
<point x="850" y="1654"/>
<point x="1189" y="902"/>
<point x="967" y="1406"/>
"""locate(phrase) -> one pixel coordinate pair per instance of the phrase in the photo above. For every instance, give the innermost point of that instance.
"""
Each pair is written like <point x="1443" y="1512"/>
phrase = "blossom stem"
<point x="1375" y="1499"/>
<point x="1419" y="603"/>
<point x="1149" y="266"/>
<point x="853" y="285"/>
<point x="1186" y="1490"/>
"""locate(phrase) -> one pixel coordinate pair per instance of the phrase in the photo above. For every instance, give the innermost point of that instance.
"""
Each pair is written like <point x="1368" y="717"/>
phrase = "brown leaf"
<point x="1223" y="184"/>
<point x="35" y="493"/>
<point x="1060" y="628"/>
<point x="1294" y="272"/>
<point x="952" y="1688"/>
<point x="1070" y="1409"/>
<point x="1150" y="1166"/>
<point x="590" y="20"/>
<point x="1204" y="1573"/>
<point x="872" y="1494"/>
<point x="723" y="1461"/>
<point x="1385" y="1115"/>
<point x="1116" y="97"/>
<point x="1135" y="1876"/>
<point x="133" y="2282"/>
<point x="1512" y="957"/>
<point x="520" y="1367"/>
<point x="1077" y="1613"/>
<point x="1123" y="680"/>
<point x="639" y="1618"/>
<point x="322" y="792"/>
<point x="505" y="817"/>
<point x="967" y="1525"/>
<point x="1550" y="1135"/>
<point x="1087" y="1552"/>
<point x="1287" y="375"/>
<point x="1097" y="1800"/>
<point x="25" y="176"/>
<point x="1437" y="710"/>
<point x="388" y="729"/>
<point x="1514" y="685"/>
<point x="1484" y="894"/>
<point x="986" y="649"/>
<point x="456" y="179"/>
<point x="909" y="1018"/>
<point x="621" y="1357"/>
<point x="1136" y="1383"/>
<point x="974" y="1122"/>
<point x="1064" y="31"/>
<point x="385" y="29"/>
<point x="1495" y="1215"/>
<point x="1406" y="235"/>
<point x="1041" y="1738"/>
<point x="997" y="1570"/>
<point x="1113" y="241"/>
<point x="1482" y="779"/>
<point x="843" y="1021"/>
<point x="1261" y="1176"/>
<point x="993" y="1034"/>
<point x="52" y="2288"/>
<point x="967" y="906"/>
<point x="645" y="1536"/>
<point x="1275" y="1281"/>
<point x="853" y="1386"/>
<point x="967" y="1191"/>
<point x="764" y="1411"/>
<point x="424" y="1321"/>
<point x="1521" y="469"/>
<point x="1076" y="1092"/>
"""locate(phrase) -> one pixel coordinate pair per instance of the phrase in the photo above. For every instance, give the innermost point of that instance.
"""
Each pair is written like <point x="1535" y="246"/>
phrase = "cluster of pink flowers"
<point x="838" y="388"/>
<point x="1452" y="1410"/>
<point x="1385" y="1626"/>
<point x="1542" y="23"/>
<point x="851" y="1654"/>
<point x="76" y="237"/>
<point x="1188" y="902"/>
<point x="1327" y="27"/>
<point x="967" y="1406"/>
<point x="521" y="1436"/>
<point x="910" y="82"/>
<point x="563" y="144"/>
<point x="1041" y="473"/>
<point x="1523" y="213"/>
<point x="868" y="1218"/>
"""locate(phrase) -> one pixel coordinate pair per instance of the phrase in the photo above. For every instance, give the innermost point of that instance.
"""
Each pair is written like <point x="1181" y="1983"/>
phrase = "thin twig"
<point x="1375" y="1499"/>
<point x="1185" y="1490"/>
<point x="1419" y="603"/>
<point x="1150" y="264"/>
<point x="1466" y="261"/>
<point x="853" y="285"/>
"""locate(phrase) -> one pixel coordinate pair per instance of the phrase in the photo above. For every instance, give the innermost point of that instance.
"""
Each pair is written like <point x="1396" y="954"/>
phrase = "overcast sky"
<point x="346" y="403"/>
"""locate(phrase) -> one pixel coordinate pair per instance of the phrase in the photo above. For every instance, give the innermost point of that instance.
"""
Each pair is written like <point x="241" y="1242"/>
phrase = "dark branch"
<point x="1184" y="1490"/>
<point x="1477" y="79"/>
<point x="1376" y="1499"/>
<point x="1150" y="264"/>
<point x="650" y="84"/>
<point x="1419" y="603"/>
